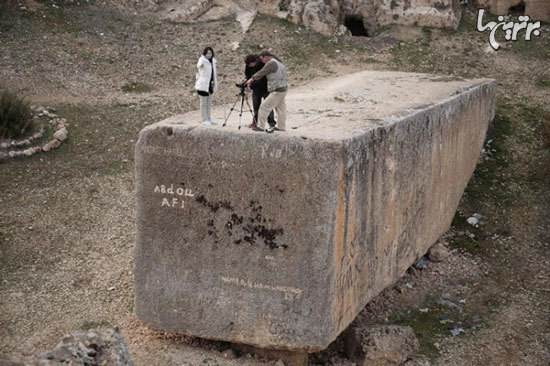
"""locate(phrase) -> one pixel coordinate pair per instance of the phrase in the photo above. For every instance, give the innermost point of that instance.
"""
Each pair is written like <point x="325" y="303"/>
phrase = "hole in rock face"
<point x="518" y="9"/>
<point x="355" y="25"/>
<point x="169" y="131"/>
<point x="284" y="5"/>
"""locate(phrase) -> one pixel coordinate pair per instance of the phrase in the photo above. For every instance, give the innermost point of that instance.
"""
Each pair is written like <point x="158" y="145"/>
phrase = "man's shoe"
<point x="212" y="122"/>
<point x="208" y="123"/>
<point x="270" y="129"/>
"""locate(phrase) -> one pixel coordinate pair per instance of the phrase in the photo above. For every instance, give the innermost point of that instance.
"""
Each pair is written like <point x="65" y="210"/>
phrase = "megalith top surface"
<point x="341" y="107"/>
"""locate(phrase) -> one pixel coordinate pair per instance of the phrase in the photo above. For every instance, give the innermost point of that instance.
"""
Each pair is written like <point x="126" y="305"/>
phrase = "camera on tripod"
<point x="242" y="98"/>
<point x="242" y="86"/>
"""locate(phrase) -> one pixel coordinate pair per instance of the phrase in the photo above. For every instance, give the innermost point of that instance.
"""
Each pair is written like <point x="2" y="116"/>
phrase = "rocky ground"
<point x="67" y="216"/>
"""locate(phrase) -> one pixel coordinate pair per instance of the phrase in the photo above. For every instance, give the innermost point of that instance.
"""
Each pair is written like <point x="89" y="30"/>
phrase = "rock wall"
<point x="536" y="9"/>
<point x="431" y="13"/>
<point x="326" y="16"/>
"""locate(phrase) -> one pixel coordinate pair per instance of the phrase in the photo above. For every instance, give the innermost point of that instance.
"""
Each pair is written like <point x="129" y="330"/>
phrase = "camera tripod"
<point x="242" y="97"/>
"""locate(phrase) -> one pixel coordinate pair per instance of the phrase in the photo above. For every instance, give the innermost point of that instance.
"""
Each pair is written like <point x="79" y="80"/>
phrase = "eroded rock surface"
<point x="326" y="17"/>
<point x="536" y="9"/>
<point x="365" y="17"/>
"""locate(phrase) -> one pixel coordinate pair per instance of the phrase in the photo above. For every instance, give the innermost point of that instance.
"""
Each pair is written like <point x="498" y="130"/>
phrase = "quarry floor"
<point x="67" y="217"/>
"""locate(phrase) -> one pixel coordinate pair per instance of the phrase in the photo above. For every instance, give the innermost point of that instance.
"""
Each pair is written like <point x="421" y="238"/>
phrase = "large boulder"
<point x="279" y="240"/>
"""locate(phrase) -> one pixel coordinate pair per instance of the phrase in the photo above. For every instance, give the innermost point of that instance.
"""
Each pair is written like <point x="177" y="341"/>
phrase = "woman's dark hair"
<point x="267" y="53"/>
<point x="206" y="49"/>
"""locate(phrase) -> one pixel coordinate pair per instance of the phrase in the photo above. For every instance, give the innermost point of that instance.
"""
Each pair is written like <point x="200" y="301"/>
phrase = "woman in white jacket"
<point x="207" y="83"/>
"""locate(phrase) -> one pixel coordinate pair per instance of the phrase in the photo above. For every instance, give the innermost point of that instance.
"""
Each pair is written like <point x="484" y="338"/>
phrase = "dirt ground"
<point x="67" y="217"/>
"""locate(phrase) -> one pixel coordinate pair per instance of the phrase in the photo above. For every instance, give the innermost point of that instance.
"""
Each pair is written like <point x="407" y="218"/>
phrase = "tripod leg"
<point x="229" y="114"/>
<point x="250" y="109"/>
<point x="243" y="98"/>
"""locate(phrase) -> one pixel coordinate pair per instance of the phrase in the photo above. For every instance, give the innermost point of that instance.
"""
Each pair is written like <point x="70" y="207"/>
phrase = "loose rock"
<point x="474" y="219"/>
<point x="61" y="134"/>
<point x="229" y="354"/>
<point x="438" y="252"/>
<point x="380" y="344"/>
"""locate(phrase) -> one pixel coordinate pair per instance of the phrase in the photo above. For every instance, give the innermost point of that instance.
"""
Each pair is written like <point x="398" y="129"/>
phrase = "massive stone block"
<point x="279" y="240"/>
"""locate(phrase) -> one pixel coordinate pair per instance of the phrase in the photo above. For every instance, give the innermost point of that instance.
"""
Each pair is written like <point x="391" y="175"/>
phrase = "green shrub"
<point x="15" y="116"/>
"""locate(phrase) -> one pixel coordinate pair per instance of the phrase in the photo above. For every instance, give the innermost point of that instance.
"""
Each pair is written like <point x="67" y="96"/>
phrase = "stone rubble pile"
<point x="96" y="347"/>
<point x="60" y="126"/>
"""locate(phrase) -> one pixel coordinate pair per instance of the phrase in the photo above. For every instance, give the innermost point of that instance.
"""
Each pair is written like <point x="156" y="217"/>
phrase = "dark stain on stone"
<point x="255" y="232"/>
<point x="226" y="205"/>
<point x="236" y="219"/>
<point x="202" y="200"/>
<point x="213" y="206"/>
<point x="169" y="131"/>
<point x="255" y="206"/>
<point x="212" y="228"/>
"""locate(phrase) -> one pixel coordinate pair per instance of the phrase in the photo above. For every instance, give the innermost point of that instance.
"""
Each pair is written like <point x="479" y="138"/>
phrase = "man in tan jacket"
<point x="277" y="85"/>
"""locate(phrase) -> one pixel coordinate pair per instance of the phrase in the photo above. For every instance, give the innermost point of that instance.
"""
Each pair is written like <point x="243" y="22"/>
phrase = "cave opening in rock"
<point x="518" y="9"/>
<point x="355" y="25"/>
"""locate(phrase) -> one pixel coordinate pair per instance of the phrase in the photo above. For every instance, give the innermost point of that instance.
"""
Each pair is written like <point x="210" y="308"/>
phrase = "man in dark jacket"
<point x="259" y="87"/>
